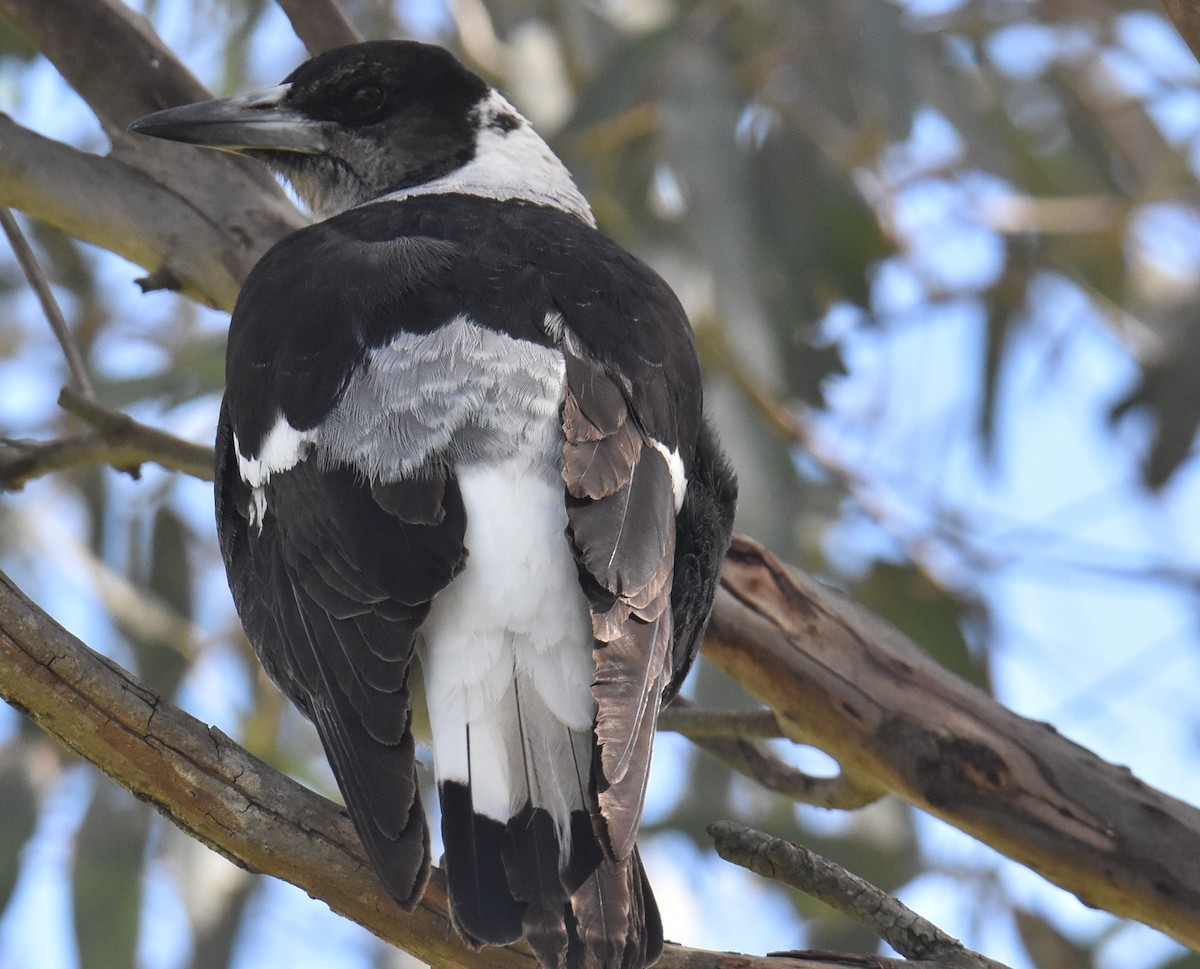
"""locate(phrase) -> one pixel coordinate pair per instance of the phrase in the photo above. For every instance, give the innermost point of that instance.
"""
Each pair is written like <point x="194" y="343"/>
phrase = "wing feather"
<point x="621" y="518"/>
<point x="332" y="582"/>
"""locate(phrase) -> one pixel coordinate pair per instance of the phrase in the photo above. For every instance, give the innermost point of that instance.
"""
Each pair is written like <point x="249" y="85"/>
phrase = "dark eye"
<point x="366" y="101"/>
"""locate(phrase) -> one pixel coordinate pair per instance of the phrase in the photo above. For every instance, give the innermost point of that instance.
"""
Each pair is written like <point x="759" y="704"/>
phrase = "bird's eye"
<point x="365" y="101"/>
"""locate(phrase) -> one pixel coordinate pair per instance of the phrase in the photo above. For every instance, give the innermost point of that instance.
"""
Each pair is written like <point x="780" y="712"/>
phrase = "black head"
<point x="350" y="124"/>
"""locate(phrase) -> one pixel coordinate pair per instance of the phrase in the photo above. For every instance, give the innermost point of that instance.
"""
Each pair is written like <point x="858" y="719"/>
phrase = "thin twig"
<point x="79" y="380"/>
<point x="843" y="791"/>
<point x="729" y="737"/>
<point x="695" y="722"/>
<point x="899" y="926"/>
<point x="21" y="461"/>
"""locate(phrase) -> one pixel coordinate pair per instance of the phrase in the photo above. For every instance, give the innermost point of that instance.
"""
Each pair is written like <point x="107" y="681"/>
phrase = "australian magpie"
<point x="464" y="427"/>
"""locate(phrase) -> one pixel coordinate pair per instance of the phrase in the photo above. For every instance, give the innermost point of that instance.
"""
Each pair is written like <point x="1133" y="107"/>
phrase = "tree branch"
<point x="243" y="809"/>
<point x="109" y="203"/>
<point x="86" y="39"/>
<point x="81" y="383"/>
<point x="895" y="923"/>
<point x="845" y="681"/>
<point x="729" y="738"/>
<point x="684" y="717"/>
<point x="119" y="441"/>
<point x="321" y="24"/>
<point x="1186" y="15"/>
<point x="207" y="216"/>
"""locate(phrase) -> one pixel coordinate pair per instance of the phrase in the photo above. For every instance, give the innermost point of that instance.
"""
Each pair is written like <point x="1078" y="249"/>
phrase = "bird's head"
<point x="369" y="120"/>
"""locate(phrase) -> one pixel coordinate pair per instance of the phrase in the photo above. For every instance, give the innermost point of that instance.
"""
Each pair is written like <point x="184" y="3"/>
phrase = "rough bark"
<point x="845" y="681"/>
<point x="197" y="220"/>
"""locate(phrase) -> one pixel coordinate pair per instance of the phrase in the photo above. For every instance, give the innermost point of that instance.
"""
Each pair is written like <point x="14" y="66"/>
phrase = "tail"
<point x="536" y="869"/>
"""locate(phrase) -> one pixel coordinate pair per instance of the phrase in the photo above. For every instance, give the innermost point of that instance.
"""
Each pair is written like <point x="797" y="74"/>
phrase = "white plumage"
<point x="507" y="656"/>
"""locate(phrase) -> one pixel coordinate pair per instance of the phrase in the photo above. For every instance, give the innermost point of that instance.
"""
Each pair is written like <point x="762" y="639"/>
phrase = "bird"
<point x="462" y="455"/>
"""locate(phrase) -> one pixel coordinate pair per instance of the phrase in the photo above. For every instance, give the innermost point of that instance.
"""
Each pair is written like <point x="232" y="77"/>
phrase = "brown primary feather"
<point x="595" y="394"/>
<point x="627" y="713"/>
<point x="621" y="519"/>
<point x="577" y="428"/>
<point x="597" y="469"/>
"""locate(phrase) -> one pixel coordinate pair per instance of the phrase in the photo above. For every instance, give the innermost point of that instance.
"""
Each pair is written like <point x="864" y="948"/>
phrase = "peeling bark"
<point x="847" y="682"/>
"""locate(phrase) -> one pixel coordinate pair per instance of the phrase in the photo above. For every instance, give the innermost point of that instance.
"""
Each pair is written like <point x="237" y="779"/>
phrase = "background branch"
<point x="321" y="24"/>
<point x="1186" y="15"/>
<point x="685" y="717"/>
<point x="76" y="369"/>
<point x="728" y="736"/>
<point x="208" y="216"/>
<point x="119" y="441"/>
<point x="113" y="204"/>
<point x="899" y="926"/>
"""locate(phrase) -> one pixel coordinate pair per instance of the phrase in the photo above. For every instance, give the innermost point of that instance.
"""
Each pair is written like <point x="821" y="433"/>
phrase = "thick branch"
<point x="213" y="213"/>
<point x="86" y="39"/>
<point x="847" y="682"/>
<point x="321" y="24"/>
<point x="240" y="807"/>
<point x="111" y="204"/>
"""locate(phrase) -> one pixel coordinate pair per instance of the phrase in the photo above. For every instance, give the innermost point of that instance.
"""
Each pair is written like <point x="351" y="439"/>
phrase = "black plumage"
<point x="463" y="426"/>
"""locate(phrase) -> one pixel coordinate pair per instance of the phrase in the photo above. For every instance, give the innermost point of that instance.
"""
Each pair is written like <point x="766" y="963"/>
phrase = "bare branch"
<point x="684" y="717"/>
<point x="321" y="24"/>
<point x="119" y="441"/>
<point x="842" y="791"/>
<point x="240" y="807"/>
<point x="205" y="216"/>
<point x="21" y="461"/>
<point x="86" y="39"/>
<point x="729" y="737"/>
<point x="158" y="446"/>
<point x="111" y="204"/>
<point x="899" y="926"/>
<point x="849" y="683"/>
<point x="80" y="381"/>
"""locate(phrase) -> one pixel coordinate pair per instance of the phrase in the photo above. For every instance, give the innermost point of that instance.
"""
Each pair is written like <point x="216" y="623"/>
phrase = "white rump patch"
<point x="679" y="480"/>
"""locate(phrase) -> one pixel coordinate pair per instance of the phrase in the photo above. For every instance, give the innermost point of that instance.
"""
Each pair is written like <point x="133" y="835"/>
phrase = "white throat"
<point x="508" y="164"/>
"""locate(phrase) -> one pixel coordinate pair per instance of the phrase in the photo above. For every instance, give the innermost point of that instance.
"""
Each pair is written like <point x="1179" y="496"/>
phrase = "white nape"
<point x="508" y="164"/>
